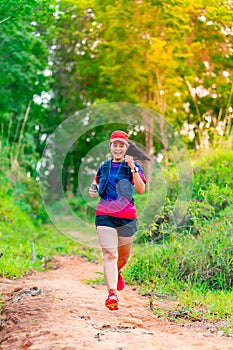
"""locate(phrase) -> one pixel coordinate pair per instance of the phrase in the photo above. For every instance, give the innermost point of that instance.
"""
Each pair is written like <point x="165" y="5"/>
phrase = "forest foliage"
<point x="59" y="57"/>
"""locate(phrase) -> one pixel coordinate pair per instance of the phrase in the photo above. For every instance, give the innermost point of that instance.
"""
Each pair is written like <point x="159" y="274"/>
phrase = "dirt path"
<point x="68" y="314"/>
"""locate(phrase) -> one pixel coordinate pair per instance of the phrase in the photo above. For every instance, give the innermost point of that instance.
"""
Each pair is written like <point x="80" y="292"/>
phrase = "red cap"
<point x="119" y="135"/>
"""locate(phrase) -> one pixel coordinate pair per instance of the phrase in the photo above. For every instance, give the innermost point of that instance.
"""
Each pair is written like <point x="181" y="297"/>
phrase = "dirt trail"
<point x="66" y="313"/>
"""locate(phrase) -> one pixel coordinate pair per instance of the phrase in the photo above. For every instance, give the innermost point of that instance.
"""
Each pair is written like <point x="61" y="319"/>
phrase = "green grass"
<point x="25" y="246"/>
<point x="21" y="254"/>
<point x="204" y="260"/>
<point x="97" y="280"/>
<point x="211" y="304"/>
<point x="195" y="271"/>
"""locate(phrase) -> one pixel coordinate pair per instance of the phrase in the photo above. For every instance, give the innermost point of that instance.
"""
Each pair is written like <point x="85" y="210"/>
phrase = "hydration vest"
<point x="124" y="184"/>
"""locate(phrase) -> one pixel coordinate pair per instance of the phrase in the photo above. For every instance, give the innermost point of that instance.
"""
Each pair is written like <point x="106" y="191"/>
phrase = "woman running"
<point x="116" y="217"/>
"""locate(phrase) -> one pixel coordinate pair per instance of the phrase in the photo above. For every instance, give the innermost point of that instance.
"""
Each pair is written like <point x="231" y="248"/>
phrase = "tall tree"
<point x="25" y="76"/>
<point x="164" y="50"/>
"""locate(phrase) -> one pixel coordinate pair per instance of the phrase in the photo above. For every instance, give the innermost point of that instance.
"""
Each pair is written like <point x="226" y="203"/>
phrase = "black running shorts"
<point x="124" y="227"/>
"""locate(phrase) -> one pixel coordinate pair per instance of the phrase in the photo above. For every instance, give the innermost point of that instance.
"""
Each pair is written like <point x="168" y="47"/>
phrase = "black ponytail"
<point x="136" y="152"/>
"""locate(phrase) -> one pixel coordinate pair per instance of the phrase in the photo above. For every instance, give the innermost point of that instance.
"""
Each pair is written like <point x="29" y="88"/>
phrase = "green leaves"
<point x="173" y="57"/>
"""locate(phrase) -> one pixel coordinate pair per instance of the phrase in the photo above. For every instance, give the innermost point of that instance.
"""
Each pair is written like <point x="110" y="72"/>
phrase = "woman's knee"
<point x="110" y="254"/>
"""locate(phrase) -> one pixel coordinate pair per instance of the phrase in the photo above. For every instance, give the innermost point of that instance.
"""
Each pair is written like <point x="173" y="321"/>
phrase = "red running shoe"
<point x="121" y="282"/>
<point x="112" y="301"/>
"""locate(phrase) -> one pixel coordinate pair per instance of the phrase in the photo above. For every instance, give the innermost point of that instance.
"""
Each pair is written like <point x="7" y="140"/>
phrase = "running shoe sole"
<point x="112" y="302"/>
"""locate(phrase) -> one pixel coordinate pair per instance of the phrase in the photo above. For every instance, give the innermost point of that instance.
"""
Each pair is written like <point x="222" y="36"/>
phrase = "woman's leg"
<point x="108" y="239"/>
<point x="124" y="250"/>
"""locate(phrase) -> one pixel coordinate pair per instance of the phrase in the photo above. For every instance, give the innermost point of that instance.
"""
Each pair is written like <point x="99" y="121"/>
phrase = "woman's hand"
<point x="138" y="183"/>
<point x="129" y="160"/>
<point x="93" y="191"/>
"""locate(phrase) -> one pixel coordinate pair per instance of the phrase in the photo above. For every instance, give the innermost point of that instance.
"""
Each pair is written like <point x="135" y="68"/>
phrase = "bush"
<point x="197" y="248"/>
<point x="212" y="194"/>
<point x="170" y="220"/>
<point x="214" y="168"/>
<point x="205" y="260"/>
<point x="218" y="197"/>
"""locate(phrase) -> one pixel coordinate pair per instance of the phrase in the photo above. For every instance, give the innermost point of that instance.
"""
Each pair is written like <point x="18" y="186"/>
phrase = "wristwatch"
<point x="134" y="170"/>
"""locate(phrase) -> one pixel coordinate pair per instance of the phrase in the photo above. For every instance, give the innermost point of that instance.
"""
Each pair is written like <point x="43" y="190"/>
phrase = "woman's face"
<point x="118" y="150"/>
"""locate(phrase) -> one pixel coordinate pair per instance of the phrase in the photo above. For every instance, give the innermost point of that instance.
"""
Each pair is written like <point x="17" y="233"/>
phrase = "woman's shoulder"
<point x="104" y="163"/>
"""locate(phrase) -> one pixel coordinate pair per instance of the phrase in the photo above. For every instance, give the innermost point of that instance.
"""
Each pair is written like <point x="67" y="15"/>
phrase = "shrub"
<point x="204" y="260"/>
<point x="213" y="168"/>
<point x="171" y="220"/>
<point x="218" y="197"/>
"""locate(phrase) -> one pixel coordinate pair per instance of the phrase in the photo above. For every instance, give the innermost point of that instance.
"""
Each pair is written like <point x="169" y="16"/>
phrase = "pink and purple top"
<point x="111" y="203"/>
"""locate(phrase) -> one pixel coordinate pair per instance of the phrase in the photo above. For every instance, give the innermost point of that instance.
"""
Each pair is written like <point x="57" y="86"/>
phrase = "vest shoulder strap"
<point x="106" y="163"/>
